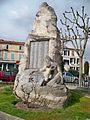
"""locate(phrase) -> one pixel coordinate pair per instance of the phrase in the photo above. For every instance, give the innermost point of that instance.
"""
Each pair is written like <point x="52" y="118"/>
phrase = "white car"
<point x="68" y="77"/>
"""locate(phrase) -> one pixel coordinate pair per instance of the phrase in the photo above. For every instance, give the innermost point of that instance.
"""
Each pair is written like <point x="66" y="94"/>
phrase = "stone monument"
<point x="39" y="79"/>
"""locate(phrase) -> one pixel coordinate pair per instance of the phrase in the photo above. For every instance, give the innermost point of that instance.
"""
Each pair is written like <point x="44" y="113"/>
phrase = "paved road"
<point x="4" y="116"/>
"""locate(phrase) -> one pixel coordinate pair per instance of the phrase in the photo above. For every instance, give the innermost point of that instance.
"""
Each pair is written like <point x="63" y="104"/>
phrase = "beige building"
<point x="10" y="53"/>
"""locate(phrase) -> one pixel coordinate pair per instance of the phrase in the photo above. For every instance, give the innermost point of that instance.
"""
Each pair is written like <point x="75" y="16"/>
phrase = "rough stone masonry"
<point x="39" y="80"/>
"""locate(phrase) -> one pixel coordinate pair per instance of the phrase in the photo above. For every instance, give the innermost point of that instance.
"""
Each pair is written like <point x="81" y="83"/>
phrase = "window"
<point x="68" y="53"/>
<point x="77" y="68"/>
<point x="6" y="56"/>
<point x="72" y="60"/>
<point x="77" y="60"/>
<point x="12" y="56"/>
<point x="20" y="47"/>
<point x="7" y="47"/>
<point x="72" y="52"/>
<point x="65" y="52"/>
<point x="73" y="68"/>
<point x="66" y="62"/>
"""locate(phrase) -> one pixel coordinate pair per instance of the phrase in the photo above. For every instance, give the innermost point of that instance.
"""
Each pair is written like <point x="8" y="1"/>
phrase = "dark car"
<point x="7" y="76"/>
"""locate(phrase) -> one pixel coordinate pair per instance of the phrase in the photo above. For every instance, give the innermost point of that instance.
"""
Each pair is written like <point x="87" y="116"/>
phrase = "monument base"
<point x="52" y="96"/>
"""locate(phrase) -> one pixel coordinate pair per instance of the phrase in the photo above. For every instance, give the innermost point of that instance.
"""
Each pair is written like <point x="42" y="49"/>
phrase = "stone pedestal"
<point x="52" y="96"/>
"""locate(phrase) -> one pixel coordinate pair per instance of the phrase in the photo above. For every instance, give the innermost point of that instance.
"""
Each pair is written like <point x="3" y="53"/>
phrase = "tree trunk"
<point x="80" y="70"/>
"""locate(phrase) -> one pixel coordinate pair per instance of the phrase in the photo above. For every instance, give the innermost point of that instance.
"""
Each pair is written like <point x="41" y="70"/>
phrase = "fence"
<point x="84" y="84"/>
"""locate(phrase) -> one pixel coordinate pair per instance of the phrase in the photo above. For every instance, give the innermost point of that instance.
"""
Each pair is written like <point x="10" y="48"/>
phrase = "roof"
<point x="11" y="42"/>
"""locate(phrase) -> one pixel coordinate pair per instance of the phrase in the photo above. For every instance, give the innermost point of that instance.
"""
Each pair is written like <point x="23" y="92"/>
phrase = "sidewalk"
<point x="76" y="86"/>
<point x="4" y="116"/>
<point x="71" y="87"/>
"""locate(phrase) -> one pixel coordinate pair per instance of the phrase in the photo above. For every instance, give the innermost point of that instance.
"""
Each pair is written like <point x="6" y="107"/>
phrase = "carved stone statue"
<point x="50" y="71"/>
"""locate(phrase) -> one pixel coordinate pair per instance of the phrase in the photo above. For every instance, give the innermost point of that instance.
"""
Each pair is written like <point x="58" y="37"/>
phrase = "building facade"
<point x="10" y="53"/>
<point x="71" y="58"/>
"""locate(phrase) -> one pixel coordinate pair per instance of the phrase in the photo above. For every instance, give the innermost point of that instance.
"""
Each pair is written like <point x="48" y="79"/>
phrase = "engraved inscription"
<point x="38" y="52"/>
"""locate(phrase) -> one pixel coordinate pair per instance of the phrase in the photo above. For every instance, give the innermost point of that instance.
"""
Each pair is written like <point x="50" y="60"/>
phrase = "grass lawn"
<point x="77" y="107"/>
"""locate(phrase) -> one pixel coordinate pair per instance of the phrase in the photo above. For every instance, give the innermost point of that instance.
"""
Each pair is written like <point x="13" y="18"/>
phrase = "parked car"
<point x="7" y="76"/>
<point x="68" y="77"/>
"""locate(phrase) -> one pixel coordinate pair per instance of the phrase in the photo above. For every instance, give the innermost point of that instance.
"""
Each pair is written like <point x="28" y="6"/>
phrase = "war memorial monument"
<point x="39" y="80"/>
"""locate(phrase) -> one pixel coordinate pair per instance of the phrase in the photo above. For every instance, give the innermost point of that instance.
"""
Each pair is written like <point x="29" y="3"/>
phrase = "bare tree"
<point x="77" y="31"/>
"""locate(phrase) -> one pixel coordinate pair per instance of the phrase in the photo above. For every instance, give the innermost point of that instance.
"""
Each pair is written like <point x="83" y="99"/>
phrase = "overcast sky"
<point x="17" y="16"/>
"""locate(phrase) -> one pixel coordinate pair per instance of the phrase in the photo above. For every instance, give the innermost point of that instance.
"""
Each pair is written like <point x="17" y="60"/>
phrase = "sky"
<point x="17" y="16"/>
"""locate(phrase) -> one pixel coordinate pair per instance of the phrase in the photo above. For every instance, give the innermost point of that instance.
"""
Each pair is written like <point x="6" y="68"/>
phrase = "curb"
<point x="5" y="116"/>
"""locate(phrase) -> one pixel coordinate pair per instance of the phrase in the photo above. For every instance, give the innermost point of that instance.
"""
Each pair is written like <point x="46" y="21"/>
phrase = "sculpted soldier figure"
<point x="51" y="71"/>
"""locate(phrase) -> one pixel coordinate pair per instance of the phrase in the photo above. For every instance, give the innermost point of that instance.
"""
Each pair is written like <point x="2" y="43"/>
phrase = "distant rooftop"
<point x="11" y="42"/>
